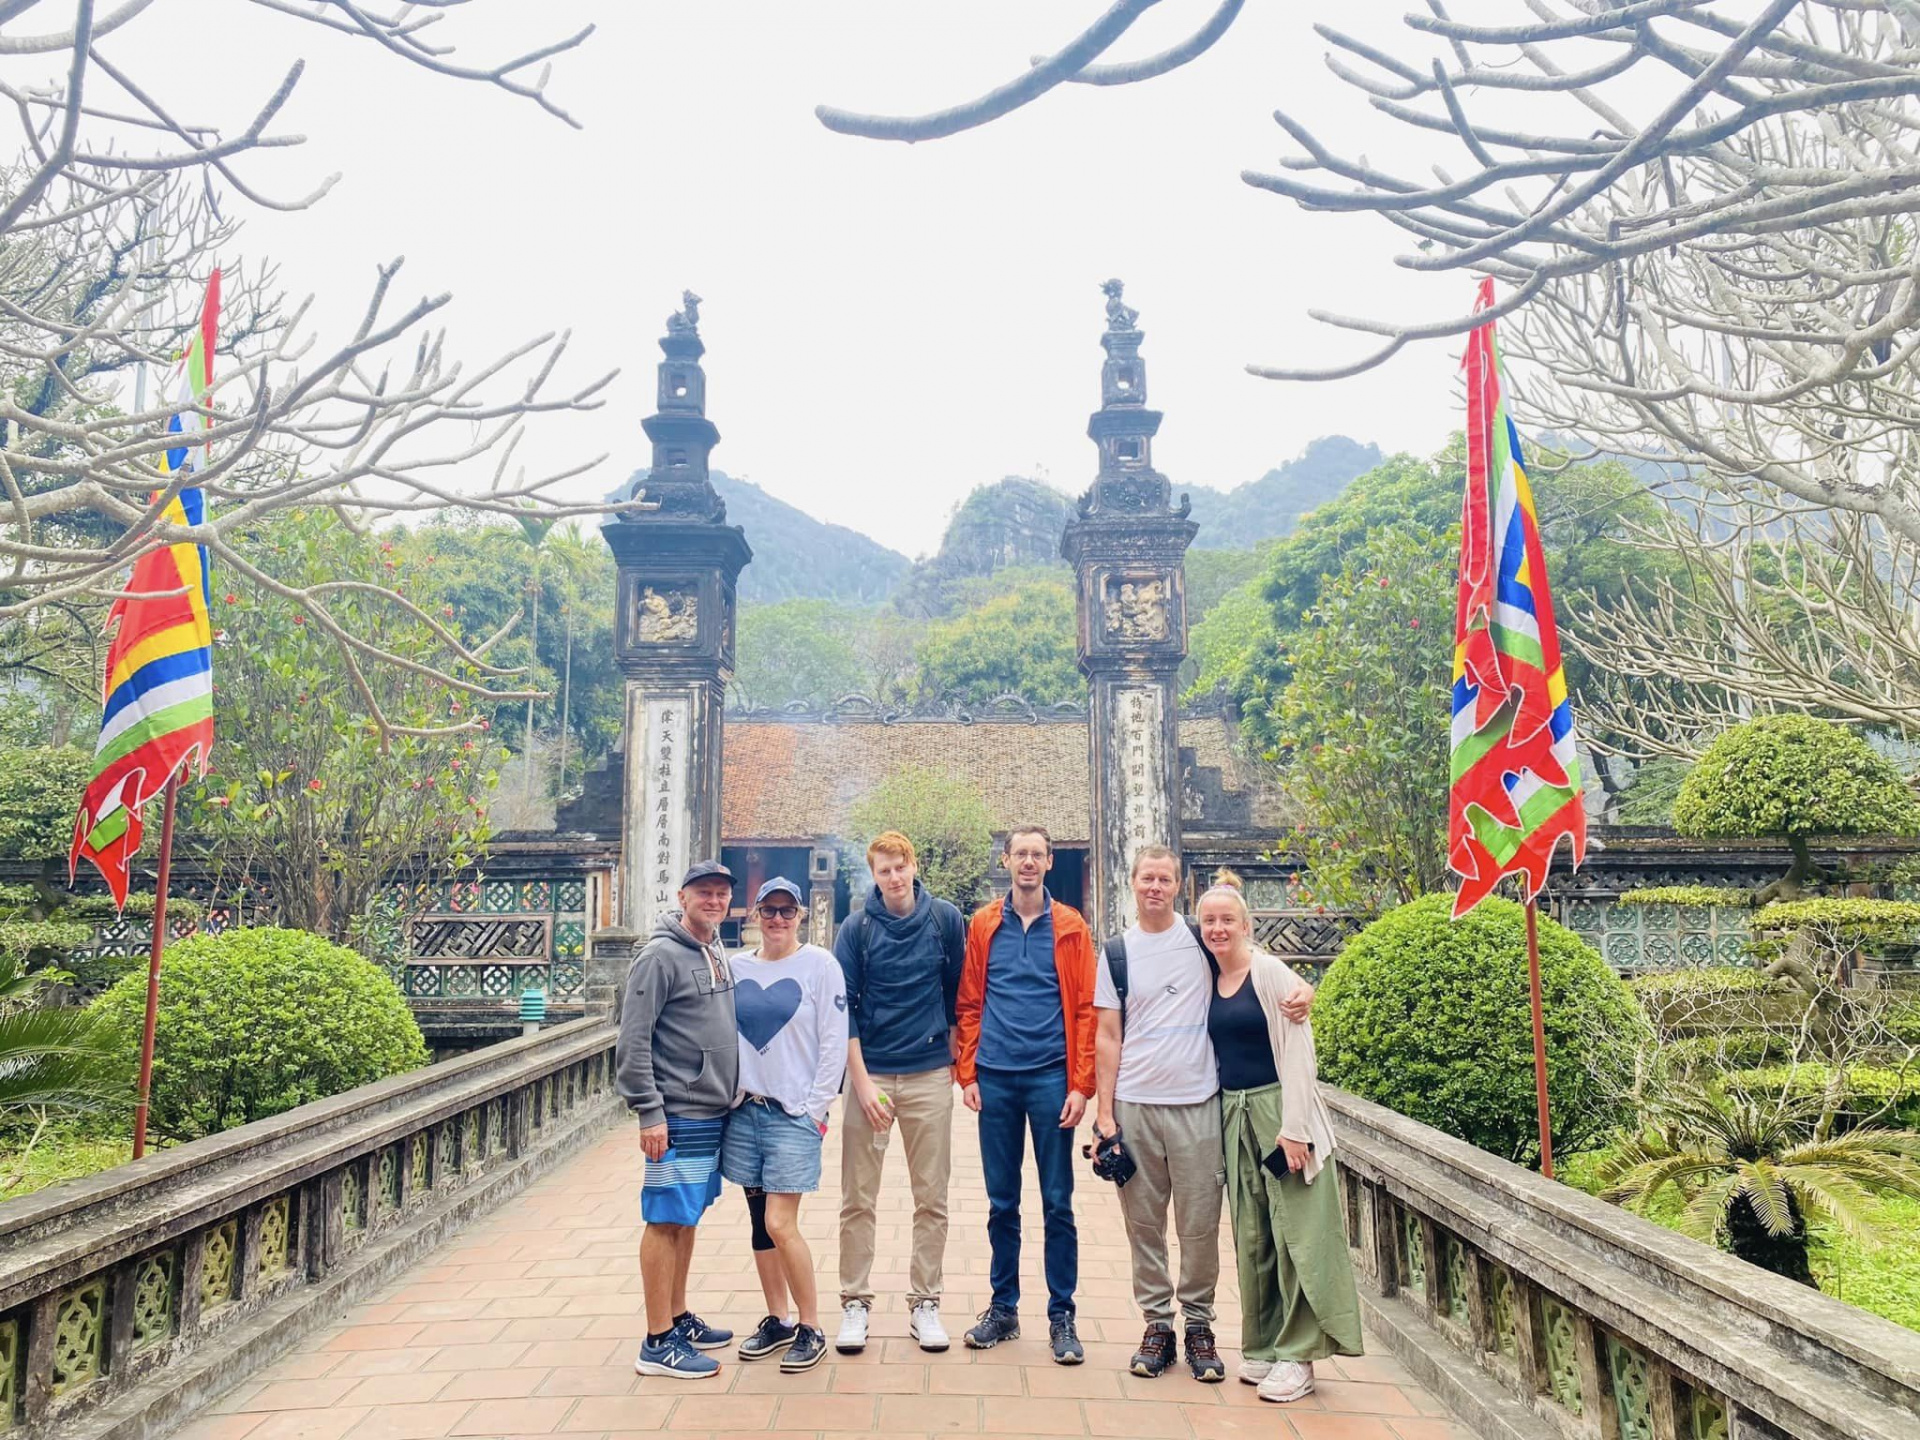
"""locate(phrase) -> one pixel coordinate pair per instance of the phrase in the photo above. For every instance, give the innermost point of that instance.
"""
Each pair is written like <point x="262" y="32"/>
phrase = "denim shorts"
<point x="768" y="1149"/>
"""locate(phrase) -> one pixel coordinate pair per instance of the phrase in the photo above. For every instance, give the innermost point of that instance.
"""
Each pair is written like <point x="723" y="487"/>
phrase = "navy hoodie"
<point x="903" y="976"/>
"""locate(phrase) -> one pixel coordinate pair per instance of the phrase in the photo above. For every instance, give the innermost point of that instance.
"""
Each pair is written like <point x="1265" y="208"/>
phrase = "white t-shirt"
<point x="1166" y="1058"/>
<point x="792" y="1019"/>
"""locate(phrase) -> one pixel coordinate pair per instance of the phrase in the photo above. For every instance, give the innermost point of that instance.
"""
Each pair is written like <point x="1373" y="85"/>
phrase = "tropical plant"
<point x="1793" y="776"/>
<point x="948" y="822"/>
<point x="1020" y="641"/>
<point x="254" y="1022"/>
<point x="1429" y="1016"/>
<point x="1755" y="1170"/>
<point x="797" y="651"/>
<point x="51" y="1058"/>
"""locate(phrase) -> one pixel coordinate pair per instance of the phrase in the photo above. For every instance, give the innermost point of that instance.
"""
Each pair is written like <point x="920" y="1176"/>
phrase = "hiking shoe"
<point x="699" y="1334"/>
<point x="675" y="1358"/>
<point x="995" y="1325"/>
<point x="773" y="1334"/>
<point x="924" y="1326"/>
<point x="1202" y="1359"/>
<point x="1252" y="1372"/>
<point x="853" y="1328"/>
<point x="1066" y="1344"/>
<point x="1157" y="1351"/>
<point x="808" y="1349"/>
<point x="1288" y="1380"/>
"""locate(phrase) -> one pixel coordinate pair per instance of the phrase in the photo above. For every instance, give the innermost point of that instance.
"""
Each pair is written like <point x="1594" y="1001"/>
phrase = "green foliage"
<point x="35" y="943"/>
<point x="797" y="651"/>
<point x="40" y="788"/>
<point x="1882" y="1279"/>
<point x="1857" y="1093"/>
<point x="1363" y="722"/>
<point x="255" y="1022"/>
<point x="1021" y="640"/>
<point x="488" y="573"/>
<point x="1707" y="982"/>
<point x="1843" y="919"/>
<point x="1430" y="1017"/>
<point x="302" y="790"/>
<point x="1648" y="800"/>
<point x="1796" y="776"/>
<point x="1237" y="631"/>
<point x="1692" y="895"/>
<point x="948" y="822"/>
<point x="66" y="1155"/>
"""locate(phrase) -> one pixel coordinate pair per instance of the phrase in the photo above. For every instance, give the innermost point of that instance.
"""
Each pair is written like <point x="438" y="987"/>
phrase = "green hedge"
<point x="1689" y="895"/>
<point x="1430" y="1017"/>
<point x="255" y="1022"/>
<point x="1868" y="1089"/>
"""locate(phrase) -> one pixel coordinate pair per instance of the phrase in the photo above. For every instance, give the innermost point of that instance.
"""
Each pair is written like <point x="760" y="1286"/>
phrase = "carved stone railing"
<point x="1581" y="1320"/>
<point x="132" y="1296"/>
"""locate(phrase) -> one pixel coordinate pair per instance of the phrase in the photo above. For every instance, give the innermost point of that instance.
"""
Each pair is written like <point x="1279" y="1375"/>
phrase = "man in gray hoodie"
<point x="677" y="1065"/>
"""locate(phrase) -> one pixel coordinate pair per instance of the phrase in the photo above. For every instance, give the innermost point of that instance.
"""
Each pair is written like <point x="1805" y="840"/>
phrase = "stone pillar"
<point x="678" y="562"/>
<point x="1126" y="546"/>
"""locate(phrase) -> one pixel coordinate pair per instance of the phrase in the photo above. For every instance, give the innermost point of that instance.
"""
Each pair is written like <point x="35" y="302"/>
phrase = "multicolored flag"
<point x="1516" y="772"/>
<point x="157" y="714"/>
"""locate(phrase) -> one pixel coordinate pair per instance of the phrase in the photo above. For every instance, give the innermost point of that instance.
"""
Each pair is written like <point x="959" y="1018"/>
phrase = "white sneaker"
<point x="1288" y="1380"/>
<point x="853" y="1328"/>
<point x="925" y="1327"/>
<point x="1252" y="1372"/>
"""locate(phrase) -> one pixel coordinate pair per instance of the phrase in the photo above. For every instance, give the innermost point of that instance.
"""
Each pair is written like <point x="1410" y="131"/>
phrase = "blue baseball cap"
<point x="780" y="882"/>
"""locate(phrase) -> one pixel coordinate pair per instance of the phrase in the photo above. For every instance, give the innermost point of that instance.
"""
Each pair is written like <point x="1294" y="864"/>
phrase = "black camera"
<point x="1110" y="1158"/>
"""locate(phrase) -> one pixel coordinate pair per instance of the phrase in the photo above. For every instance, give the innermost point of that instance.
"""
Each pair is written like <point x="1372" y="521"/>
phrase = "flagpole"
<point x="153" y="968"/>
<point x="1539" y="1040"/>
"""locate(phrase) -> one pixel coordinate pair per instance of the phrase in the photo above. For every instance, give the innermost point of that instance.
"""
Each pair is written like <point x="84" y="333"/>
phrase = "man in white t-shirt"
<point x="1157" y="1086"/>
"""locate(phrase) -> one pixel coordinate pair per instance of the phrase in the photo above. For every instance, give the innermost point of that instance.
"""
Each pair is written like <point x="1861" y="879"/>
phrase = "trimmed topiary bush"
<point x="1429" y="1016"/>
<point x="1793" y="776"/>
<point x="254" y="1022"/>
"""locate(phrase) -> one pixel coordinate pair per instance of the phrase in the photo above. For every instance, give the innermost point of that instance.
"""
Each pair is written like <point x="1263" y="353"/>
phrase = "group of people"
<point x="1191" y="1047"/>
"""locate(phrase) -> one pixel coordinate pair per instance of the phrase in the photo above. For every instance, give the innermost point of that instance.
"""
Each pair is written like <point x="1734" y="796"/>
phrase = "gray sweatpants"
<point x="1177" y="1148"/>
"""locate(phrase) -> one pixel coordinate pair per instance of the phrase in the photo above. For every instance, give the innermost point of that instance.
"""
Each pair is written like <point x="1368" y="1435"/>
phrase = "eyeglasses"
<point x="779" y="912"/>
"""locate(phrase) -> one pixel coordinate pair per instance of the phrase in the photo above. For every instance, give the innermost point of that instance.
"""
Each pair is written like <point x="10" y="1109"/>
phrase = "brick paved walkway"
<point x="527" y="1325"/>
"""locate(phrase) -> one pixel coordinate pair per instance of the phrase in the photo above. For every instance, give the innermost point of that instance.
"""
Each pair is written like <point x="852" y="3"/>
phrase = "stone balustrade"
<point x="1578" y="1319"/>
<point x="130" y="1297"/>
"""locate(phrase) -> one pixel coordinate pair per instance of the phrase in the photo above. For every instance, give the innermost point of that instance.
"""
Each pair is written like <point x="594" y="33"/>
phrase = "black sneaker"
<point x="1202" y="1359"/>
<point x="808" y="1349"/>
<point x="1157" y="1351"/>
<point x="995" y="1325"/>
<point x="1066" y="1344"/>
<point x="700" y="1335"/>
<point x="772" y="1335"/>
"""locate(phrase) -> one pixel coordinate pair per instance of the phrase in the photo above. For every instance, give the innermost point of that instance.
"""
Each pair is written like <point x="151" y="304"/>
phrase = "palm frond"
<point x="60" y="1058"/>
<point x="1706" y="1214"/>
<point x="1830" y="1195"/>
<point x="1766" y="1193"/>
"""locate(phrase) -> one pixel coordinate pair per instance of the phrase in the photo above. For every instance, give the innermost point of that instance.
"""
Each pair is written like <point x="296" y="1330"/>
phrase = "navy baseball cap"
<point x="707" y="870"/>
<point x="780" y="882"/>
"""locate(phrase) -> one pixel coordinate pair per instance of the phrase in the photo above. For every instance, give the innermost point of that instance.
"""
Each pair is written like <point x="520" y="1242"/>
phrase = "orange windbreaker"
<point x="1073" y="959"/>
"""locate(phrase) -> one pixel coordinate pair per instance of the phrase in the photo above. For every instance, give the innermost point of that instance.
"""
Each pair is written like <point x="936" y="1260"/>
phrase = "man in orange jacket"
<point x="1025" y="1064"/>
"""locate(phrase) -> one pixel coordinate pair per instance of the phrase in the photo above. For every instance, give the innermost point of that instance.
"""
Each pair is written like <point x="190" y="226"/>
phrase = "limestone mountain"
<point x="1014" y="523"/>
<point x="1271" y="506"/>
<point x="796" y="557"/>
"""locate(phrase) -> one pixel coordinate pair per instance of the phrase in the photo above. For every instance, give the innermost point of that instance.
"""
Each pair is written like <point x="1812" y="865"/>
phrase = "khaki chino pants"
<point x="923" y="1116"/>
<point x="1177" y="1148"/>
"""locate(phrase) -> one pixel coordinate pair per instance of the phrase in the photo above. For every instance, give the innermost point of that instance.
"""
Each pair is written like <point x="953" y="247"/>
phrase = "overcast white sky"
<point x="887" y="326"/>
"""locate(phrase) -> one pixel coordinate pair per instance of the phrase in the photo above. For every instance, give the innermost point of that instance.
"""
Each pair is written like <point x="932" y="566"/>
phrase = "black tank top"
<point x="1241" y="1046"/>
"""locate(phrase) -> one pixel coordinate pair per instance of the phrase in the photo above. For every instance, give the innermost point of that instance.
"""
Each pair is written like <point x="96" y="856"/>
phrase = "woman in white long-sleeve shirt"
<point x="790" y="1006"/>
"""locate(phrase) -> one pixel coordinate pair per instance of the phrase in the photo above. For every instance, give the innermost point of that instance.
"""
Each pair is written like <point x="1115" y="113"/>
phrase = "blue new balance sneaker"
<point x="674" y="1358"/>
<point x="699" y="1334"/>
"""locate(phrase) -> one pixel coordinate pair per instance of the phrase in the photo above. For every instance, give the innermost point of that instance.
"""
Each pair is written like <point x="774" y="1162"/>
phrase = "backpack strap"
<point x="1117" y="971"/>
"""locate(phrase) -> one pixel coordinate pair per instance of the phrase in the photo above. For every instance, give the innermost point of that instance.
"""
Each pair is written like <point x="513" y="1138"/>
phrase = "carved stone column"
<point x="821" y="863"/>
<point x="1127" y="546"/>
<point x="679" y="562"/>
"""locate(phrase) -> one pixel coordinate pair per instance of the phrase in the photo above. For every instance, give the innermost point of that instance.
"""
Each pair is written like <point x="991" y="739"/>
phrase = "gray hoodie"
<point x="679" y="1051"/>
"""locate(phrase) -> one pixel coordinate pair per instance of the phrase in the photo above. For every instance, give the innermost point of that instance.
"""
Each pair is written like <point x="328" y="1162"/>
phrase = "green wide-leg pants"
<point x="1297" y="1296"/>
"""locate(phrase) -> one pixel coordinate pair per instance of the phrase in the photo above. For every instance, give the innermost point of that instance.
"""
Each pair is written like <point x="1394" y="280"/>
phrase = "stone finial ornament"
<point x="685" y="320"/>
<point x="1120" y="315"/>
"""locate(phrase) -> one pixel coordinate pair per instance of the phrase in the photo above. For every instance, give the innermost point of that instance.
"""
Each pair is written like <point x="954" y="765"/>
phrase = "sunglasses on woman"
<point x="779" y="912"/>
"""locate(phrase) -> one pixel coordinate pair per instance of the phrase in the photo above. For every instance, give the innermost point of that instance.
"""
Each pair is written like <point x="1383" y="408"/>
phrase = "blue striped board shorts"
<point x="677" y="1188"/>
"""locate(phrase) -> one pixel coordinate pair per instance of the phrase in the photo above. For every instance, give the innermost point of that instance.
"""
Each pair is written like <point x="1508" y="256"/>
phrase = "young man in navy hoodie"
<point x="902" y="952"/>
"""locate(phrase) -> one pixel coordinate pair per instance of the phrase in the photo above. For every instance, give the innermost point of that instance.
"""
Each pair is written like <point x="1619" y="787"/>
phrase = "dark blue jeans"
<point x="1012" y="1103"/>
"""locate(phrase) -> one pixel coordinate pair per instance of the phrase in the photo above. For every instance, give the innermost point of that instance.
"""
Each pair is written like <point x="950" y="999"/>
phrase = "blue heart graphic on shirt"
<point x="763" y="1012"/>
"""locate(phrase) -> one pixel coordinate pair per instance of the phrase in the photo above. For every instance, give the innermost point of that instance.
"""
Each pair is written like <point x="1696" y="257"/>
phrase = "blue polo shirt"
<point x="1022" y="1024"/>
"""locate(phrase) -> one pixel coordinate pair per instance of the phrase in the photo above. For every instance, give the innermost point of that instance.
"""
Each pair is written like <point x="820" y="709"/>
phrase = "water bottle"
<point x="880" y="1132"/>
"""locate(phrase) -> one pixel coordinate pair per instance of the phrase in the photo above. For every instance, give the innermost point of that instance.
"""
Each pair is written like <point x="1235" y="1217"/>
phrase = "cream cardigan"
<point x="1304" y="1116"/>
